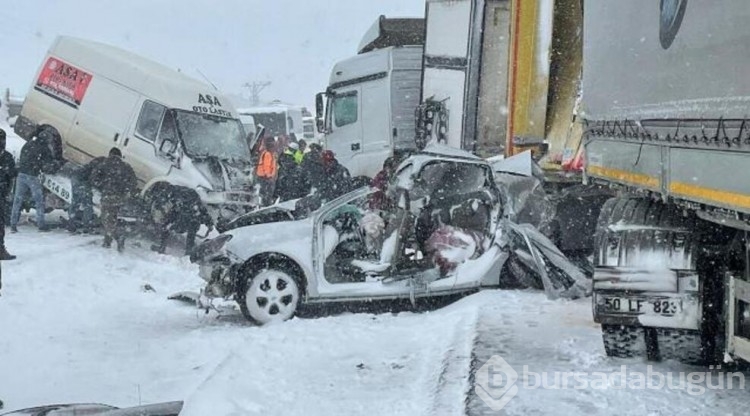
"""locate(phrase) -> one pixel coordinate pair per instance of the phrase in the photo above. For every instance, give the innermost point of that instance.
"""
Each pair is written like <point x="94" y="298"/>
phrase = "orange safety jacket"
<point x="267" y="165"/>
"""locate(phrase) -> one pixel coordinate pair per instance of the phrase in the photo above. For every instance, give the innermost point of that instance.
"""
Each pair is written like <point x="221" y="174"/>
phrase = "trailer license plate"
<point x="667" y="307"/>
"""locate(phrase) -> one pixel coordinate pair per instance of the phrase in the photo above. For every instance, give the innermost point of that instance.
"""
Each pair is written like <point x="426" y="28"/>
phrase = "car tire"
<point x="268" y="296"/>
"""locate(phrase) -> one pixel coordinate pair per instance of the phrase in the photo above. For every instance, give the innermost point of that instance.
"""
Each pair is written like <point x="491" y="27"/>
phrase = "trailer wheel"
<point x="629" y="228"/>
<point x="685" y="346"/>
<point x="624" y="341"/>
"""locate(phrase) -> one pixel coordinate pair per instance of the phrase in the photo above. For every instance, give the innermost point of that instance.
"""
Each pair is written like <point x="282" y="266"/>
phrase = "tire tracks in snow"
<point x="454" y="376"/>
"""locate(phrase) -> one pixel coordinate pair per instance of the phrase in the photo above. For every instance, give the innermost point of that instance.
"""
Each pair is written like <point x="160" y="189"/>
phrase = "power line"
<point x="255" y="90"/>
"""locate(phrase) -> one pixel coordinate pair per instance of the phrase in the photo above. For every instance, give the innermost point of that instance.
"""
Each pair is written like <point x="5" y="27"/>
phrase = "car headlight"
<point x="209" y="248"/>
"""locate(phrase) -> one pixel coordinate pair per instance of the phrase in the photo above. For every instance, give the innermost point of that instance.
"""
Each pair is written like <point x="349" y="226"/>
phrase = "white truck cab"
<point x="170" y="128"/>
<point x="371" y="98"/>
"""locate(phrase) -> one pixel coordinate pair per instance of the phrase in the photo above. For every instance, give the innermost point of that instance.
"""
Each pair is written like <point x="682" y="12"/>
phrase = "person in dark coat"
<point x="312" y="168"/>
<point x="178" y="209"/>
<point x="117" y="183"/>
<point x="379" y="199"/>
<point x="7" y="175"/>
<point x="337" y="181"/>
<point x="35" y="157"/>
<point x="81" y="209"/>
<point x="291" y="183"/>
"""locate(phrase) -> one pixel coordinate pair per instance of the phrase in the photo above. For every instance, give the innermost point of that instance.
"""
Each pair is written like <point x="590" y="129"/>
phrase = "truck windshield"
<point x="209" y="135"/>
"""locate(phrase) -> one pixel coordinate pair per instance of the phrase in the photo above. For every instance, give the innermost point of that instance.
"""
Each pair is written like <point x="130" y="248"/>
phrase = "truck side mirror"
<point x="319" y="110"/>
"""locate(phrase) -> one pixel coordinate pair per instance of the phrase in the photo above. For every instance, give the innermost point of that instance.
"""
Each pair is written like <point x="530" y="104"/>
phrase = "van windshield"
<point x="209" y="135"/>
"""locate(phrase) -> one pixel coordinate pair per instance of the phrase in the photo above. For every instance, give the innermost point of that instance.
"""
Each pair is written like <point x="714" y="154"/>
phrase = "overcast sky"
<point x="292" y="43"/>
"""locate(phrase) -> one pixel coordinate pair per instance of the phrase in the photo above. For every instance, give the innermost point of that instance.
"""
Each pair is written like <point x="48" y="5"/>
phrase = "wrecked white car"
<point x="440" y="231"/>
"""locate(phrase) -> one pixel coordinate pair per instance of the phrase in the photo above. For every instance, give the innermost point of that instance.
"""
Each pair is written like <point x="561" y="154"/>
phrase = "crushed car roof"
<point x="447" y="151"/>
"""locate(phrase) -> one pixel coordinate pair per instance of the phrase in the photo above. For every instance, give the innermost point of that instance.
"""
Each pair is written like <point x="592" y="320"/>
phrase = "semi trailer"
<point x="665" y="107"/>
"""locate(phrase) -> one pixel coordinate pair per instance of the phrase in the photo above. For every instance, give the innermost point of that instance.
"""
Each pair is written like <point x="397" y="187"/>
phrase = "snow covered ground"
<point x="77" y="326"/>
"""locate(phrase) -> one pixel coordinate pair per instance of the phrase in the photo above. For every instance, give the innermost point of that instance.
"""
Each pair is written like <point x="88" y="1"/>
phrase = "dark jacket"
<point x="8" y="172"/>
<point x="379" y="199"/>
<point x="114" y="178"/>
<point x="185" y="210"/>
<point x="313" y="169"/>
<point x="83" y="175"/>
<point x="35" y="156"/>
<point x="337" y="181"/>
<point x="292" y="183"/>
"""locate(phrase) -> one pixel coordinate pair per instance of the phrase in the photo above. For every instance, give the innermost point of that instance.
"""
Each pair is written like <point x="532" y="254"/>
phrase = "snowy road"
<point x="76" y="326"/>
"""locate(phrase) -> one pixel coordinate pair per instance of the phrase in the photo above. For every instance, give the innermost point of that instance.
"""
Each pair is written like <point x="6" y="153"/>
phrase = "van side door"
<point x="102" y="121"/>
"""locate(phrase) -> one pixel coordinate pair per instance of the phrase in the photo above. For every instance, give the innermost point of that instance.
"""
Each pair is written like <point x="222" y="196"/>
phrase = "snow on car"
<point x="441" y="232"/>
<point x="437" y="237"/>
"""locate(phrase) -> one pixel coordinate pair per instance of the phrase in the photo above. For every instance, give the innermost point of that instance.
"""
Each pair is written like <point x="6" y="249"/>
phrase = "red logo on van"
<point x="63" y="81"/>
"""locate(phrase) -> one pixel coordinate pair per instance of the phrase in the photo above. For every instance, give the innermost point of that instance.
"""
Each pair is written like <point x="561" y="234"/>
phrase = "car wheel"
<point x="270" y="296"/>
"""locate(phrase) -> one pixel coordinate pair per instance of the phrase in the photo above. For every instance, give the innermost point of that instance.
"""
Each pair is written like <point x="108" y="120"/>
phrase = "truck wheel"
<point x="681" y="345"/>
<point x="624" y="341"/>
<point x="627" y="229"/>
<point x="271" y="295"/>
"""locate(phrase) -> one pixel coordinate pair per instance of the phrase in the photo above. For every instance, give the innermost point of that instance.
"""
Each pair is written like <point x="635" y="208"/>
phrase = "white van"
<point x="308" y="129"/>
<point x="278" y="119"/>
<point x="172" y="129"/>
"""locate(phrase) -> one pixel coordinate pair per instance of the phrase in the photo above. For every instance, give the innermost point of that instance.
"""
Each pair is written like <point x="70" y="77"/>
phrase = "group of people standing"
<point x="111" y="176"/>
<point x="287" y="169"/>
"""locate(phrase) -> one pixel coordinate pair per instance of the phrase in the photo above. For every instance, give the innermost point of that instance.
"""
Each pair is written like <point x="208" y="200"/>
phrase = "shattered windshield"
<point x="208" y="135"/>
<point x="438" y="179"/>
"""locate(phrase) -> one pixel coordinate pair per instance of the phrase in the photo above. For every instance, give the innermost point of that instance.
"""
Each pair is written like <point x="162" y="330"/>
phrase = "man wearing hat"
<point x="291" y="182"/>
<point x="337" y="178"/>
<point x="7" y="176"/>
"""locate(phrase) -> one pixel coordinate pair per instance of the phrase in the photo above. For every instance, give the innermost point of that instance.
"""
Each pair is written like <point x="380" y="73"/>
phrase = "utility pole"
<point x="255" y="90"/>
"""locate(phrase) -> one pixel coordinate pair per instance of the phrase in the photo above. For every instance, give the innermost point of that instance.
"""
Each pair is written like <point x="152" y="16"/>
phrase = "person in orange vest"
<point x="266" y="171"/>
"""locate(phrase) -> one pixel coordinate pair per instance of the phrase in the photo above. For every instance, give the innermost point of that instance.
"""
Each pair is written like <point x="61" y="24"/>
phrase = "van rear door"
<point x="101" y="122"/>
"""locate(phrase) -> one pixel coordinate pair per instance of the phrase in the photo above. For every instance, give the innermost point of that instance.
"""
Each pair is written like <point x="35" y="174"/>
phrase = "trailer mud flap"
<point x="738" y="325"/>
